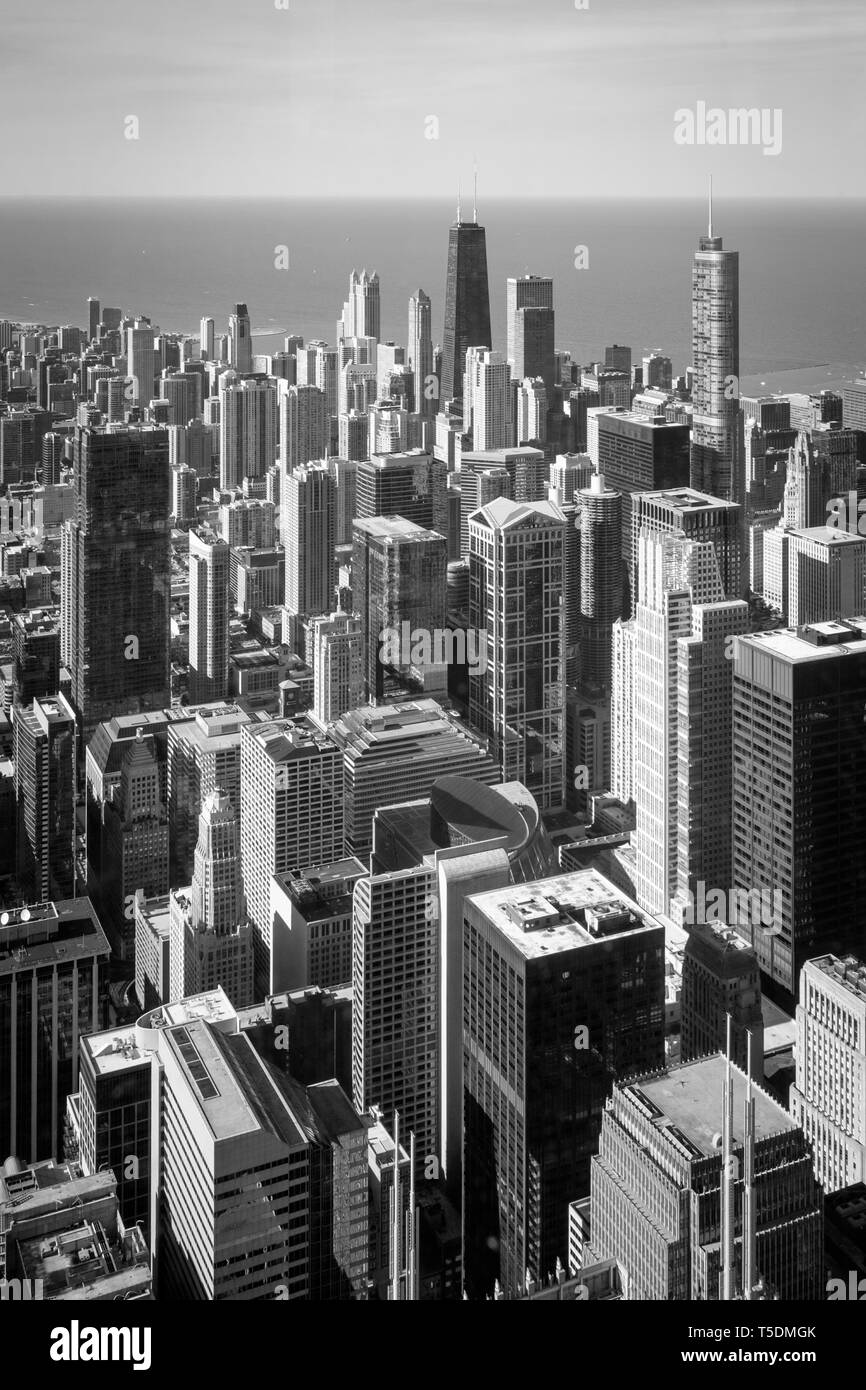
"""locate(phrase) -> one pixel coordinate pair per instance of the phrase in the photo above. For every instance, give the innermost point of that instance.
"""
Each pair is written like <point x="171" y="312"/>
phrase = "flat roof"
<point x="786" y="644"/>
<point x="691" y="1097"/>
<point x="115" y="1049"/>
<point x="550" y="915"/>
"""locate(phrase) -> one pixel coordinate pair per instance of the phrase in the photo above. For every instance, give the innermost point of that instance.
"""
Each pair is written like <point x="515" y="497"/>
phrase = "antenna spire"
<point x="475" y="192"/>
<point x="710" y="228"/>
<point x="458" y="200"/>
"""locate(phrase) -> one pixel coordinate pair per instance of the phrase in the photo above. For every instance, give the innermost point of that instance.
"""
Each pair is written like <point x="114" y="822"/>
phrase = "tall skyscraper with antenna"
<point x="715" y="448"/>
<point x="467" y="301"/>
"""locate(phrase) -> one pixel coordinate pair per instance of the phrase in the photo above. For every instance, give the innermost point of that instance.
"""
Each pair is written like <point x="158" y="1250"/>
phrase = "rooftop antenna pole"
<point x="475" y="193"/>
<point x="727" y="1187"/>
<point x="749" y="1204"/>
<point x="710" y="228"/>
<point x="458" y="200"/>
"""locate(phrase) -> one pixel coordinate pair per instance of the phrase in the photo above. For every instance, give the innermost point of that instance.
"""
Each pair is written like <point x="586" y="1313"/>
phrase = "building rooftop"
<point x="213" y="1006"/>
<point x="394" y="528"/>
<point x="847" y="972"/>
<point x="284" y="739"/>
<point x="502" y="513"/>
<point x="50" y="934"/>
<point x="562" y="913"/>
<point x="812" y="642"/>
<point x="686" y="499"/>
<point x="688" y="1101"/>
<point x="114" y="1050"/>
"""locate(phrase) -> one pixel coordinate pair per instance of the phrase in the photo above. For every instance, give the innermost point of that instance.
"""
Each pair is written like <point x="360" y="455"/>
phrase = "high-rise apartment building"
<point x="209" y="557"/>
<point x="240" y="340"/>
<point x="602" y="581"/>
<point x="699" y="518"/>
<point x="249" y="428"/>
<point x="309" y="515"/>
<point x="44" y="757"/>
<point x="563" y="991"/>
<point x="487" y="411"/>
<point x="304" y="427"/>
<point x="140" y="362"/>
<point x="362" y="312"/>
<point x="420" y="355"/>
<point x="517" y="591"/>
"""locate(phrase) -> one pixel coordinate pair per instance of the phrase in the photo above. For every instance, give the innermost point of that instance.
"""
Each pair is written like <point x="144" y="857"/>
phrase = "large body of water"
<point x="802" y="270"/>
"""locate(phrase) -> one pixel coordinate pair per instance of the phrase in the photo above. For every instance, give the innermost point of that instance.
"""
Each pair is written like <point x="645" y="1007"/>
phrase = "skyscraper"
<point x="240" y="340"/>
<point x="487" y="400"/>
<point x="602" y="581"/>
<point x="660" y="1152"/>
<point x="92" y="318"/>
<point x="44" y="756"/>
<point x="136" y="832"/>
<point x="140" y="361"/>
<point x="338" y="648"/>
<point x="467" y="303"/>
<point x="361" y="312"/>
<point x="303" y="426"/>
<point x="799" y="789"/>
<point x="716" y="461"/>
<point x="517" y="697"/>
<point x="61" y="946"/>
<point x="211" y="939"/>
<point x="721" y="981"/>
<point x="821" y="465"/>
<point x="530" y="329"/>
<point x="399" y="573"/>
<point x="206" y="331"/>
<point x="208" y="616"/>
<point x="411" y="485"/>
<point x="116" y="574"/>
<point x="563" y="991"/>
<point x="309" y="508"/>
<point x="828" y="1097"/>
<point x="249" y="425"/>
<point x="421" y="353"/>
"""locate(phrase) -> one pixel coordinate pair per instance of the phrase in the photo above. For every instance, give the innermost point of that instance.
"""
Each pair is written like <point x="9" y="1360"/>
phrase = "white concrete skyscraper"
<point x="421" y="352"/>
<point x="487" y="400"/>
<point x="211" y="940"/>
<point x="206" y="339"/>
<point x="676" y="577"/>
<point x="361" y="310"/>
<point x="248" y="429"/>
<point x="140" y="361"/>
<point x="338" y="649"/>
<point x="303" y="426"/>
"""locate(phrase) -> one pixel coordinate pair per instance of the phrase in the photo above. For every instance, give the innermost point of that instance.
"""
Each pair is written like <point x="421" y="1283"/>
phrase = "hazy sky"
<point x="332" y="97"/>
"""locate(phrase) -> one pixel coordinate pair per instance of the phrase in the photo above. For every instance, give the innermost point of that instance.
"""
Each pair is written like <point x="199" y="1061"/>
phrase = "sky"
<point x="335" y="98"/>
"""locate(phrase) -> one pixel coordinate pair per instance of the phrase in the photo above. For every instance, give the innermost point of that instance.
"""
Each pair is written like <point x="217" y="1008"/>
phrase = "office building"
<point x="517" y="699"/>
<point x="209" y="557"/>
<point x="312" y="925"/>
<point x="411" y="485"/>
<point x="716" y="422"/>
<point x="799" y="796"/>
<point x="65" y="1239"/>
<point x="699" y="518"/>
<point x="854" y="405"/>
<point x="721" y="980"/>
<point x="44" y="757"/>
<point x="210" y="938"/>
<point x="135" y="835"/>
<point x="658" y="1179"/>
<point x="206" y="339"/>
<point x="293" y="815"/>
<point x="203" y="755"/>
<point x="657" y="371"/>
<point x="392" y="755"/>
<point x="828" y="1098"/>
<point x="353" y="435"/>
<point x="110" y="1119"/>
<point x="814" y="574"/>
<point x="487" y="410"/>
<point x="35" y="654"/>
<point x="116" y="582"/>
<point x="338" y="650"/>
<point x="822" y="465"/>
<point x="398" y="578"/>
<point x="562" y="993"/>
<point x="531" y="411"/>
<point x="60" y="947"/>
<point x="530" y="329"/>
<point x="467" y="303"/>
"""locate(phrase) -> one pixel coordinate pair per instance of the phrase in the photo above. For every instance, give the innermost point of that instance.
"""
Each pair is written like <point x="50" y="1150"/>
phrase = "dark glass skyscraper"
<point x="117" y="574"/>
<point x="467" y="303"/>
